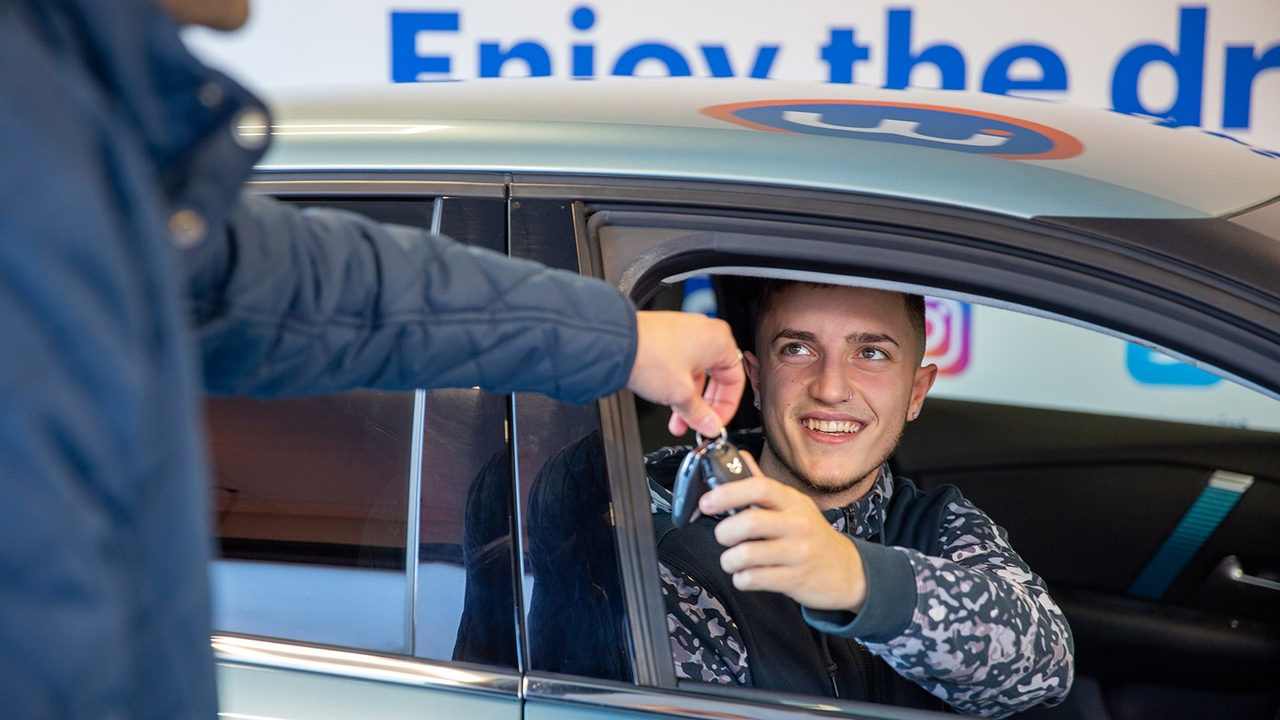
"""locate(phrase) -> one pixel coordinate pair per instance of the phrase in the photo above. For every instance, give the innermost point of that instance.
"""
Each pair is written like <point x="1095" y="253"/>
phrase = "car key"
<point x="723" y="463"/>
<point x="709" y="465"/>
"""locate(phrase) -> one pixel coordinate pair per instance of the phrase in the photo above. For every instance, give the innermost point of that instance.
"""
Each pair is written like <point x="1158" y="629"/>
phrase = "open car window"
<point x="1141" y="488"/>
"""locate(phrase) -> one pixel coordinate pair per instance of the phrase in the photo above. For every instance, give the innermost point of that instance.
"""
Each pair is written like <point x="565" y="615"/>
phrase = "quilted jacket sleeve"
<point x="293" y="302"/>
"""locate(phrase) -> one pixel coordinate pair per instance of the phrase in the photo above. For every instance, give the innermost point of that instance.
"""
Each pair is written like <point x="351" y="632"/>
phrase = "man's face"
<point x="215" y="14"/>
<point x="837" y="375"/>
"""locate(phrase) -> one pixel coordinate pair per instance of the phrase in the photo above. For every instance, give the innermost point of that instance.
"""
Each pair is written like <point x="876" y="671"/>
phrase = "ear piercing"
<point x="756" y="402"/>
<point x="915" y="415"/>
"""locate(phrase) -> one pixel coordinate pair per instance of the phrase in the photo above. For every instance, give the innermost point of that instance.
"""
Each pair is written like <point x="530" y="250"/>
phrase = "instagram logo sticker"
<point x="947" y="335"/>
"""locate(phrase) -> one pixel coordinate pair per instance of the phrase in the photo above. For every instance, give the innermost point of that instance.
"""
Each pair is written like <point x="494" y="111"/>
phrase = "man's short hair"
<point x="915" y="308"/>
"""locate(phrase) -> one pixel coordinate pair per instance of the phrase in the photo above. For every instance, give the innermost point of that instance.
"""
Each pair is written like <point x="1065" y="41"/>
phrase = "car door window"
<point x="311" y="502"/>
<point x="575" y="612"/>
<point x="319" y="500"/>
<point x="464" y="606"/>
<point x="1134" y="483"/>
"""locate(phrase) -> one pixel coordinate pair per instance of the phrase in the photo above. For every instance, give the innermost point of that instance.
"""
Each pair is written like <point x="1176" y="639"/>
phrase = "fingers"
<point x="758" y="524"/>
<point x="810" y="563"/>
<point x="694" y="412"/>
<point x="775" y="578"/>
<point x="755" y="491"/>
<point x="724" y="390"/>
<point x="675" y="353"/>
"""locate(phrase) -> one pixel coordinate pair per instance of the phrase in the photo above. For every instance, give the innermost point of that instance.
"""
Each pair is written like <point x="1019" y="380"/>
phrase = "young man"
<point x="829" y="555"/>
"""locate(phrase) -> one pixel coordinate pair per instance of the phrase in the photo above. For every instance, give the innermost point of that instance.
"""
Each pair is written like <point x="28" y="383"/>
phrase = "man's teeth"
<point x="832" y="426"/>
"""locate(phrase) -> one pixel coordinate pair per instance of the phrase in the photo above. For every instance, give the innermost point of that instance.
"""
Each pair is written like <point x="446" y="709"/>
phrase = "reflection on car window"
<point x="465" y="608"/>
<point x="312" y="518"/>
<point x="311" y="504"/>
<point x="575" y="612"/>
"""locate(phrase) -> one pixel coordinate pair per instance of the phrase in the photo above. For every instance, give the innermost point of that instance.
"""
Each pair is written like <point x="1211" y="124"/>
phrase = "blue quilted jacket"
<point x="129" y="263"/>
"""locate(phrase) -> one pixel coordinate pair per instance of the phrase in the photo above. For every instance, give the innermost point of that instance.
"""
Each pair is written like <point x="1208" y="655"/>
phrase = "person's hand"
<point x="675" y="354"/>
<point x="781" y="542"/>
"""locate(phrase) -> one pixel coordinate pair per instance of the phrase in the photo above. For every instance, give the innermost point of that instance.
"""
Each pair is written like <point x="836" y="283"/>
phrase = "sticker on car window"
<point x="1151" y="367"/>
<point x="929" y="126"/>
<point x="947" y="335"/>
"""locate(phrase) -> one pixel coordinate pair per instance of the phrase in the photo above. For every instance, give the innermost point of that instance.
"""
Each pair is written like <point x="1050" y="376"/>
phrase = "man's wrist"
<point x="890" y="603"/>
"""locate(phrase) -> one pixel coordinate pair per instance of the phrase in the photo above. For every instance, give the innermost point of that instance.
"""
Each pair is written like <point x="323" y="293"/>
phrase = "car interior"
<point x="1089" y="499"/>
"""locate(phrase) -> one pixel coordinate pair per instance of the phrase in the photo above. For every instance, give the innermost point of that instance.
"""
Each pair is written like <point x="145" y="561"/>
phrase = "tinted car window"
<point x="575" y="611"/>
<point x="318" y="499"/>
<point x="311" y="507"/>
<point x="465" y="606"/>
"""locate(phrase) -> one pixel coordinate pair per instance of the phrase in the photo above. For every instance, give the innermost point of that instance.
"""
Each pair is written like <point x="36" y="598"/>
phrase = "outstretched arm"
<point x="291" y="302"/>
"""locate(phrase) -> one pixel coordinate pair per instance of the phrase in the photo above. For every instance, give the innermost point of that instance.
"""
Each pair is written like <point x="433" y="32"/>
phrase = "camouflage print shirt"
<point x="984" y="635"/>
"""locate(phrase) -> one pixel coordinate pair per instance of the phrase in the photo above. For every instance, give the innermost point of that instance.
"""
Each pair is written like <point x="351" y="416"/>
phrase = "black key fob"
<point x="723" y="463"/>
<point x="690" y="485"/>
<point x="709" y="465"/>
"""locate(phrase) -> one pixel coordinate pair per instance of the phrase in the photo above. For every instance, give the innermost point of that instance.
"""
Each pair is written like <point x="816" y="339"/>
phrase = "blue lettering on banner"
<point x="1151" y="367"/>
<point x="677" y="66"/>
<point x="842" y="51"/>
<point x="406" y="64"/>
<point x="493" y="57"/>
<point x="584" y="56"/>
<point x="718" y="61"/>
<point x="948" y="60"/>
<point x="920" y="125"/>
<point x="1187" y="64"/>
<point x="1242" y="67"/>
<point x="1053" y="73"/>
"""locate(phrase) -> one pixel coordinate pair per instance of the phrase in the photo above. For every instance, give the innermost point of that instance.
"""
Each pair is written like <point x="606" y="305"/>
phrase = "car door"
<point x="356" y="530"/>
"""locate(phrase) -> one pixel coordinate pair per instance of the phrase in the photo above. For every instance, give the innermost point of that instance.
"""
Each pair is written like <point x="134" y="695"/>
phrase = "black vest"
<point x="784" y="652"/>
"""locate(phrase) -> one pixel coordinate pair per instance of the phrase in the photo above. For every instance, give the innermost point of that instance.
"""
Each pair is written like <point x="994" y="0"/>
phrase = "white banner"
<point x="1215" y="65"/>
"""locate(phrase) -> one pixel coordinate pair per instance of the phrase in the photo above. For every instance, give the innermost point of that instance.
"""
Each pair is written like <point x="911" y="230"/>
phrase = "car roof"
<point x="1017" y="157"/>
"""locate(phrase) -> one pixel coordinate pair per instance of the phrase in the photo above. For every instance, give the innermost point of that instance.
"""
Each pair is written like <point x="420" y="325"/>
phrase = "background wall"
<point x="1212" y="64"/>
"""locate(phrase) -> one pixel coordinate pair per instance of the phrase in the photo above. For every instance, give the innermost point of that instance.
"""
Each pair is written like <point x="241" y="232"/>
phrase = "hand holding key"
<point x="778" y="540"/>
<point x="709" y="465"/>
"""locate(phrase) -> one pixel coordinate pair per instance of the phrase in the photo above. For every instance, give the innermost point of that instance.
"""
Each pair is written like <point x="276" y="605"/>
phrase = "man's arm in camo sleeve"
<point x="974" y="627"/>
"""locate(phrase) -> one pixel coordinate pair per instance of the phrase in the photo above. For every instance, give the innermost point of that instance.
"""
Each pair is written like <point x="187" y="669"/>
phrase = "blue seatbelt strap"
<point x="1202" y="519"/>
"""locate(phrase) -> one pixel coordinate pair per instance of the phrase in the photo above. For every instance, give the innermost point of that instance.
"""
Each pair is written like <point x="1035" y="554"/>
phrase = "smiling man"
<point x="840" y="579"/>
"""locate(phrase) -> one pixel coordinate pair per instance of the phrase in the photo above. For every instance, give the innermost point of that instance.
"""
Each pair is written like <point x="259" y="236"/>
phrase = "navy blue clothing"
<point x="128" y="260"/>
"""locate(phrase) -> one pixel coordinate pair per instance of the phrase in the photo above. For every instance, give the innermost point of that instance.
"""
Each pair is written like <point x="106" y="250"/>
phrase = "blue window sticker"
<point x="699" y="297"/>
<point x="931" y="126"/>
<point x="1151" y="367"/>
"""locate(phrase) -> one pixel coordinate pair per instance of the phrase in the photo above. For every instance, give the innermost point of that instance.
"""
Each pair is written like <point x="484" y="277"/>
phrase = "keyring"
<point x="724" y="435"/>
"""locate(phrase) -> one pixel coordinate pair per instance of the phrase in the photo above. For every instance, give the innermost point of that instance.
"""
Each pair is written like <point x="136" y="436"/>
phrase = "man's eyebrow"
<point x="866" y="338"/>
<point x="790" y="334"/>
<point x="870" y="339"/>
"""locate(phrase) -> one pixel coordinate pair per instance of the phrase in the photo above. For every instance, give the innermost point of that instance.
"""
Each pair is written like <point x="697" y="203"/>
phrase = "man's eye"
<point x="795" y="349"/>
<point x="872" y="353"/>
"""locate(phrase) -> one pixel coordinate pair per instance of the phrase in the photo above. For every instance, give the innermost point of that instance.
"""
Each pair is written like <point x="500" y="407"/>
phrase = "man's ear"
<point x="920" y="387"/>
<point x="751" y="364"/>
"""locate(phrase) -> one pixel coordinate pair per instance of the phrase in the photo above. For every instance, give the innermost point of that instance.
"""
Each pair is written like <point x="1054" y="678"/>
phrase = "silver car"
<point x="1104" y="308"/>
